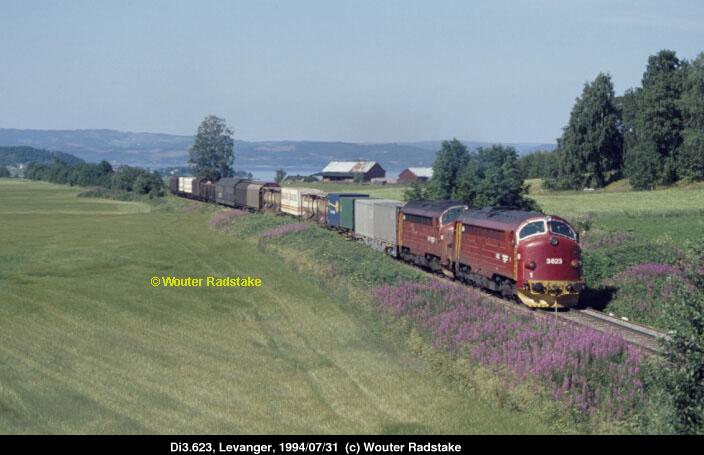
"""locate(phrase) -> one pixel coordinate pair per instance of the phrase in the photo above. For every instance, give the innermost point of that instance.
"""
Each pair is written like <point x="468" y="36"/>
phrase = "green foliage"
<point x="487" y="177"/>
<point x="591" y="143"/>
<point x="449" y="162"/>
<point x="4" y="172"/>
<point x="492" y="177"/>
<point x="539" y="165"/>
<point x="415" y="192"/>
<point x="22" y="154"/>
<point x="280" y="175"/>
<point x="684" y="378"/>
<point x="127" y="178"/>
<point x="655" y="123"/>
<point x="691" y="156"/>
<point x="212" y="152"/>
<point x="358" y="177"/>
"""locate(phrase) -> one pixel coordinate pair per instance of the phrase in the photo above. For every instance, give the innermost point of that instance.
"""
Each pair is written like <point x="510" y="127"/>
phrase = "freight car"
<point x="225" y="191"/>
<point x="256" y="194"/>
<point x="305" y="203"/>
<point x="340" y="213"/>
<point x="375" y="223"/>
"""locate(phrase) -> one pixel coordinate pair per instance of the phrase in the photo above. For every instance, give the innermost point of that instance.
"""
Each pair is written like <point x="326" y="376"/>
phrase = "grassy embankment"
<point x="87" y="345"/>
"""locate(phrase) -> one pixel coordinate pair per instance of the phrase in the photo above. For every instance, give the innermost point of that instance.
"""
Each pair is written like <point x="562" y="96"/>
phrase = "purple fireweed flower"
<point x="586" y="368"/>
<point x="284" y="229"/>
<point x="224" y="217"/>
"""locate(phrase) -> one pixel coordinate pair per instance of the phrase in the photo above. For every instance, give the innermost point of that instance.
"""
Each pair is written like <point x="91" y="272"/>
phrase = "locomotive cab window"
<point x="533" y="228"/>
<point x="451" y="215"/>
<point x="560" y="228"/>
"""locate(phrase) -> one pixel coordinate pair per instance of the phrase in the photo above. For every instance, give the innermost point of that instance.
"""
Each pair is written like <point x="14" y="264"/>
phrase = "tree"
<point x="212" y="153"/>
<point x="4" y="172"/>
<point x="414" y="192"/>
<point x="691" y="158"/>
<point x="656" y="122"/>
<point x="280" y="175"/>
<point x="492" y="177"/>
<point x="683" y="376"/>
<point x="450" y="159"/>
<point x="592" y="142"/>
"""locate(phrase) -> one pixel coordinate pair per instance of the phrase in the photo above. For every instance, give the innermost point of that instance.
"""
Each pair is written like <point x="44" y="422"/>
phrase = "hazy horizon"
<point x="359" y="72"/>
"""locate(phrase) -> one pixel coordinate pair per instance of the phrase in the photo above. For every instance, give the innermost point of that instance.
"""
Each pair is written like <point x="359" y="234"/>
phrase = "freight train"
<point x="519" y="254"/>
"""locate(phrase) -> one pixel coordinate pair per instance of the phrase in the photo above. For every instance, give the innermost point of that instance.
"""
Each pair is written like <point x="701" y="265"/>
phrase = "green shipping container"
<point x="347" y="212"/>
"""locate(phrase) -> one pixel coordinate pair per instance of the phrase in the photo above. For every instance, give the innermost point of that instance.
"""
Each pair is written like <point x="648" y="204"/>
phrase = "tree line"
<point x="126" y="178"/>
<point x="653" y="134"/>
<point x="487" y="176"/>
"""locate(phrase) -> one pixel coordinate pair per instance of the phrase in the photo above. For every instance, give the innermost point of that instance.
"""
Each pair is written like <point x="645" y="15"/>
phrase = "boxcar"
<point x="426" y="233"/>
<point x="340" y="211"/>
<point x="203" y="190"/>
<point x="255" y="194"/>
<point x="173" y="185"/>
<point x="303" y="202"/>
<point x="225" y="191"/>
<point x="241" y="193"/>
<point x="375" y="222"/>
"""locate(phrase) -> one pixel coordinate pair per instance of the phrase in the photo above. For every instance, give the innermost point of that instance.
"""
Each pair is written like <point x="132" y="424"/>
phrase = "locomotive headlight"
<point x="530" y="265"/>
<point x="576" y="263"/>
<point x="554" y="241"/>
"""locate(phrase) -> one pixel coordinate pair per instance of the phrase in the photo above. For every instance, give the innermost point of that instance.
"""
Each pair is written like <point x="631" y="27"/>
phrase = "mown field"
<point x="87" y="345"/>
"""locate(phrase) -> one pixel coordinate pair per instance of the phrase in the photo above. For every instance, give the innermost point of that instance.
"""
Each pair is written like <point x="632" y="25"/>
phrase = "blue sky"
<point x="362" y="71"/>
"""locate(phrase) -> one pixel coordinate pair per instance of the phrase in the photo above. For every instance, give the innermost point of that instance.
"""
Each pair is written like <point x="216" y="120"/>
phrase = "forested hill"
<point x="10" y="156"/>
<point x="154" y="150"/>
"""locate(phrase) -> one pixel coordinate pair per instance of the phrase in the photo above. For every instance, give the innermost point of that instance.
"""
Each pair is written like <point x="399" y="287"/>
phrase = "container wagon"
<point x="340" y="211"/>
<point x="307" y="203"/>
<point x="375" y="222"/>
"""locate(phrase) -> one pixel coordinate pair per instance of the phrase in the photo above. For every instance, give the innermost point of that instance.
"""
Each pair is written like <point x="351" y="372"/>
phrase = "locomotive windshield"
<point x="535" y="227"/>
<point x="558" y="227"/>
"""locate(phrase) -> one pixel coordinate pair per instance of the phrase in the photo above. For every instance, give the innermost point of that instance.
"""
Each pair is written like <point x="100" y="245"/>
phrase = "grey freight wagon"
<point x="375" y="223"/>
<point x="225" y="191"/>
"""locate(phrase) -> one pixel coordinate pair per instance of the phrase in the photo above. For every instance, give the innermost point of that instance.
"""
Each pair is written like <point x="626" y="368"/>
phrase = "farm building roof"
<point x="426" y="172"/>
<point x="348" y="167"/>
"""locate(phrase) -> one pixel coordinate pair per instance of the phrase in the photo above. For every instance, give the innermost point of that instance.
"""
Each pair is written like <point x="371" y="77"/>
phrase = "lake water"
<point x="270" y="173"/>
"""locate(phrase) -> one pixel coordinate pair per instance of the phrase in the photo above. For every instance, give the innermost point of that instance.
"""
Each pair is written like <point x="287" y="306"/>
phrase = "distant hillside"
<point x="10" y="156"/>
<point x="159" y="150"/>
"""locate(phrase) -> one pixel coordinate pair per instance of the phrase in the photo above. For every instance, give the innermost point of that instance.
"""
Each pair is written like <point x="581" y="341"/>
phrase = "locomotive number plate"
<point x="553" y="261"/>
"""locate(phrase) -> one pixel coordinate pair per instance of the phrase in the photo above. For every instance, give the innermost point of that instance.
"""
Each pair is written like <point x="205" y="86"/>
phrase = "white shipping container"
<point x="188" y="185"/>
<point x="293" y="203"/>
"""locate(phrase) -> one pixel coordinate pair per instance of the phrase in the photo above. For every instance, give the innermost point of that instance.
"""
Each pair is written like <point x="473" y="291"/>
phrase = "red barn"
<point x="415" y="174"/>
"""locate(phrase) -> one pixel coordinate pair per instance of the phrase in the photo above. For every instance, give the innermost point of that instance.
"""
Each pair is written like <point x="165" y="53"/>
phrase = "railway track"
<point x="639" y="335"/>
<point x="643" y="337"/>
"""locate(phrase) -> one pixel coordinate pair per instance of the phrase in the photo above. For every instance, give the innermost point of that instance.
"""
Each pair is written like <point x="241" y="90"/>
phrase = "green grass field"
<point x="87" y="345"/>
<point x="676" y="212"/>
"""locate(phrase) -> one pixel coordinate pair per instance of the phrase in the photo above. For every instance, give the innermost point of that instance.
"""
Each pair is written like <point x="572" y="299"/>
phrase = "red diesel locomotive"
<point x="517" y="253"/>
